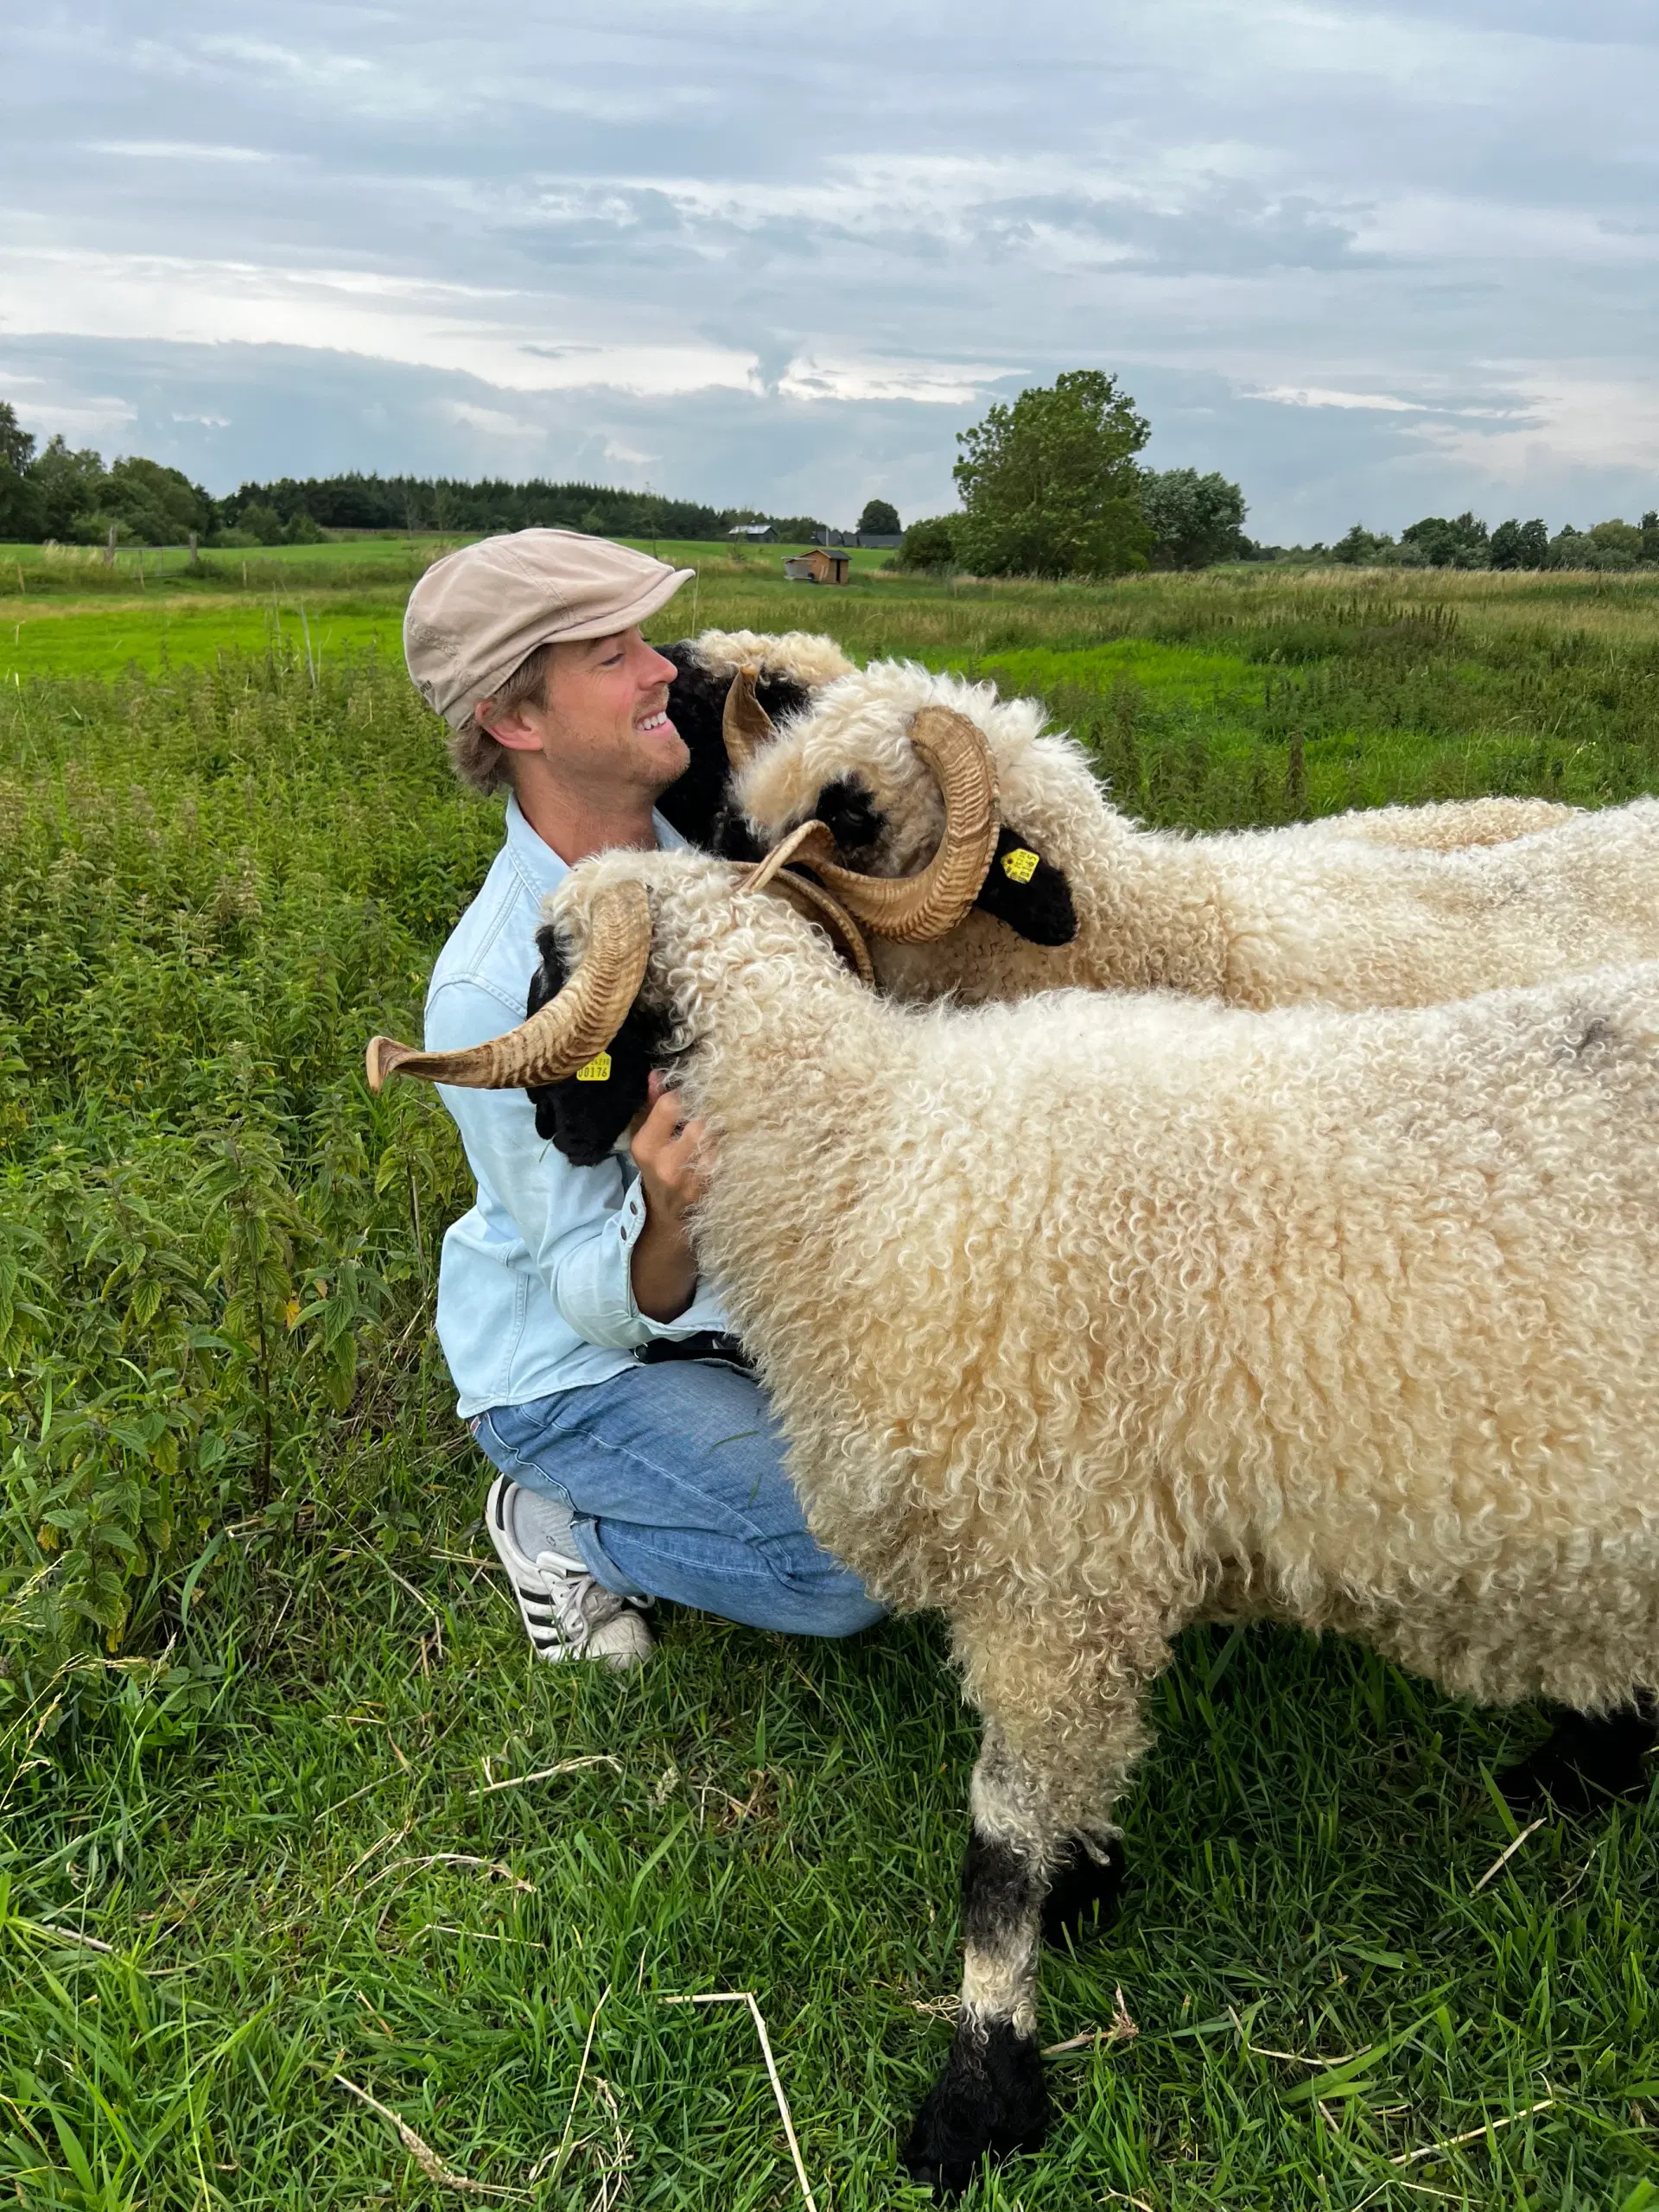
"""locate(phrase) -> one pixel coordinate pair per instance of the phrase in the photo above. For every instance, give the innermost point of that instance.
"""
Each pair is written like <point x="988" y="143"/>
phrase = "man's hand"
<point x="673" y="1156"/>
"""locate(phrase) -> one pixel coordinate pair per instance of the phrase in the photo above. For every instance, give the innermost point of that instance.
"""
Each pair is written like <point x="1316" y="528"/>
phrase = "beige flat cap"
<point x="475" y="614"/>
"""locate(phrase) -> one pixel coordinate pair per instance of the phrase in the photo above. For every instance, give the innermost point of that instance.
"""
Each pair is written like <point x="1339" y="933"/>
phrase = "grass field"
<point x="283" y="1804"/>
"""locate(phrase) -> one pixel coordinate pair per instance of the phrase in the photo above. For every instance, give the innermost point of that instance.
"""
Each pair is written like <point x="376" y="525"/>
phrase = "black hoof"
<point x="989" y="2102"/>
<point x="1586" y="1761"/>
<point x="1083" y="1895"/>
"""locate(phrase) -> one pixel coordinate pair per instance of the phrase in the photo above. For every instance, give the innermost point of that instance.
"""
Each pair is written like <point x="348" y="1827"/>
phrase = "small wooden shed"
<point x="820" y="564"/>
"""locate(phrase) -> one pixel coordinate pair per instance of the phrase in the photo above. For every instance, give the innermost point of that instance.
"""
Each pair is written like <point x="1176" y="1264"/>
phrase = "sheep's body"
<point x="1317" y="912"/>
<point x="1097" y="1315"/>
<point x="1447" y="825"/>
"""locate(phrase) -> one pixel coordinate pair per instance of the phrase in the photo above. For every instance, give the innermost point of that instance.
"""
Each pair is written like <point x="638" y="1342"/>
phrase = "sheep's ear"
<point x="1028" y="893"/>
<point x="586" y="1112"/>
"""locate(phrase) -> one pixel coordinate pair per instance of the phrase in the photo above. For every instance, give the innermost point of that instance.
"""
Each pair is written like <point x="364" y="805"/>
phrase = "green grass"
<point x="257" y="1670"/>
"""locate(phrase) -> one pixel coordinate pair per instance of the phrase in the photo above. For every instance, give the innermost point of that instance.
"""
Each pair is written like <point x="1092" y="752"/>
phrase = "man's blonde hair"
<point x="480" y="759"/>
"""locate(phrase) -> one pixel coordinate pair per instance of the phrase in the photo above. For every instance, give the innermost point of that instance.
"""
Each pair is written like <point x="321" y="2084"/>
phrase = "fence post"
<point x="195" y="557"/>
<point x="109" y="551"/>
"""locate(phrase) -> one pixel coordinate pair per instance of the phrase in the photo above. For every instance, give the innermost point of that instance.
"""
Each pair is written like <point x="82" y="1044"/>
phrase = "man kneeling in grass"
<point x="625" y="1475"/>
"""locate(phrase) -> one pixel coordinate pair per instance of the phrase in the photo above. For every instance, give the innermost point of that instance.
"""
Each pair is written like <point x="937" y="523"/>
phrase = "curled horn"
<point x="916" y="909"/>
<point x="812" y="900"/>
<point x="744" y="722"/>
<point x="564" y="1035"/>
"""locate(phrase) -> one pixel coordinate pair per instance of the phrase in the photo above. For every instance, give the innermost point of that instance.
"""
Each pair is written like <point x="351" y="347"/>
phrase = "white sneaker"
<point x="566" y="1612"/>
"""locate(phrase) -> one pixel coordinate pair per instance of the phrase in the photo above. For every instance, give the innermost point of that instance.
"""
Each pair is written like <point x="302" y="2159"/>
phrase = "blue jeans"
<point x="675" y="1476"/>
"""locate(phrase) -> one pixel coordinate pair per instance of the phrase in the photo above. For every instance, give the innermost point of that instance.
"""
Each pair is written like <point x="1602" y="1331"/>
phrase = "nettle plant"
<point x="215" y="1250"/>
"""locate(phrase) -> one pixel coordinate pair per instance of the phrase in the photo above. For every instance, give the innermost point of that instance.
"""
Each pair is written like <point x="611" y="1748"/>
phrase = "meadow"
<point x="285" y="1806"/>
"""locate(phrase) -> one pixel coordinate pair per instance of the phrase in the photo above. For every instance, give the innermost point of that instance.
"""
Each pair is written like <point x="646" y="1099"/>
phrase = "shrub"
<point x="212" y="1242"/>
<point x="929" y="544"/>
<point x="1194" y="520"/>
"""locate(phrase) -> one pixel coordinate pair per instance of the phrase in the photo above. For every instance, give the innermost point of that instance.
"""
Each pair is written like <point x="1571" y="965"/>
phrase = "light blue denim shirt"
<point x="534" y="1294"/>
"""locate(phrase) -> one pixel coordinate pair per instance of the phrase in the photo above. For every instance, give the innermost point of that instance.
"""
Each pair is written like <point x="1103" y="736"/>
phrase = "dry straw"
<point x="747" y="1997"/>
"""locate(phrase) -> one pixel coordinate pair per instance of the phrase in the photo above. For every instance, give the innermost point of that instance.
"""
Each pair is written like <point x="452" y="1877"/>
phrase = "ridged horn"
<point x="564" y="1035"/>
<point x="744" y="722"/>
<point x="812" y="900"/>
<point x="916" y="909"/>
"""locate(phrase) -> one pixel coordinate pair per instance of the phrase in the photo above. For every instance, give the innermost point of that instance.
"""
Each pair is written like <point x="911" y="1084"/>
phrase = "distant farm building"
<point x="753" y="533"/>
<point x="824" y="564"/>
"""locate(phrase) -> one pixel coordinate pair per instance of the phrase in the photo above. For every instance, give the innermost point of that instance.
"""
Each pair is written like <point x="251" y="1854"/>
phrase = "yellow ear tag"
<point x="1020" y="866"/>
<point x="598" y="1070"/>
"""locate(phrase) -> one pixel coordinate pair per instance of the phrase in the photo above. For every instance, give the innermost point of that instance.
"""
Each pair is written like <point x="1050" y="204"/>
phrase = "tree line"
<point x="62" y="493"/>
<point x="1050" y="485"/>
<point x="1466" y="543"/>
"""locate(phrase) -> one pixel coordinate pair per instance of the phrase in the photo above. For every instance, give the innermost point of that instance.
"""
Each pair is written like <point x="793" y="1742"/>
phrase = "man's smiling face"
<point x="607" y="714"/>
<point x="603" y="730"/>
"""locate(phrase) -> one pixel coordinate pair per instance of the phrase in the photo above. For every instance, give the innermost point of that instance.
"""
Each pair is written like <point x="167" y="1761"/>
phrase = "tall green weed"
<point x="214" y="1247"/>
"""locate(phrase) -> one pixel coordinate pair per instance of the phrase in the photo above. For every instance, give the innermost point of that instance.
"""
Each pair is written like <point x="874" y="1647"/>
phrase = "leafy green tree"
<point x="932" y="544"/>
<point x="1620" y="540"/>
<point x="1573" y="549"/>
<point x="300" y="529"/>
<point x="158" y="505"/>
<point x="1049" y="485"/>
<point x="262" y="523"/>
<point x="16" y="444"/>
<point x="19" y="501"/>
<point x="1363" y="548"/>
<point x="1194" y="520"/>
<point x="1520" y="545"/>
<point x="68" y="483"/>
<point x="1461" y="543"/>
<point x="879" y="519"/>
<point x="1650" y="534"/>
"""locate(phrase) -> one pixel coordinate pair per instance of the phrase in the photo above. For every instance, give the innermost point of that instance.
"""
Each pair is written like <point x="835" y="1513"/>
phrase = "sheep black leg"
<point x="989" y="2101"/>
<point x="1083" y="1889"/>
<point x="1587" y="1758"/>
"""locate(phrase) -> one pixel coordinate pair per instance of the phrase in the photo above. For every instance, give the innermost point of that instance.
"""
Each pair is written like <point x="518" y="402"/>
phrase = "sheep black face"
<point x="696" y="804"/>
<point x="1028" y="893"/>
<point x="1021" y="888"/>
<point x="586" y="1112"/>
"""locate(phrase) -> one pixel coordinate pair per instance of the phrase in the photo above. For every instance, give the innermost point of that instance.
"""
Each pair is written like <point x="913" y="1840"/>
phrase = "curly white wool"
<point x="1092" y="1316"/>
<point x="1356" y="911"/>
<point x="805" y="656"/>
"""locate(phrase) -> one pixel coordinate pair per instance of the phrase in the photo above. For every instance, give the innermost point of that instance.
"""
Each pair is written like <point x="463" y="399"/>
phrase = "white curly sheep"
<point x="1097" y="1315"/>
<point x="1076" y="893"/>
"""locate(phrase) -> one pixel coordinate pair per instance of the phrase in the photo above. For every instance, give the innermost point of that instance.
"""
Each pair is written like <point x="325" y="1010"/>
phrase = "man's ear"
<point x="584" y="1114"/>
<point x="1028" y="893"/>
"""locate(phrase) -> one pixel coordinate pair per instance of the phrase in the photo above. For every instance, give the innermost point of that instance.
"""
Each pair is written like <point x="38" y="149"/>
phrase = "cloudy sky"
<point x="1369" y="261"/>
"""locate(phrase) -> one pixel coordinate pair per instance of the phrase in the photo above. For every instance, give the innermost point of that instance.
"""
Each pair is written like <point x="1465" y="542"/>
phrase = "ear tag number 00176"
<point x="598" y="1070"/>
<point x="1020" y="866"/>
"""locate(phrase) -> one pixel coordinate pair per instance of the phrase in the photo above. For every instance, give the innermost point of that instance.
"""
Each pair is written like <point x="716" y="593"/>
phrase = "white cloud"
<point x="49" y="413"/>
<point x="1445" y="228"/>
<point x="1317" y="396"/>
<point x="848" y="378"/>
<point x="1571" y="418"/>
<point x="175" y="149"/>
<point x="491" y="421"/>
<point x="504" y="337"/>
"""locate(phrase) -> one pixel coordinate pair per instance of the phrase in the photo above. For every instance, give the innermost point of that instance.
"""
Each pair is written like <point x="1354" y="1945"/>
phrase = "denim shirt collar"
<point x="539" y="869"/>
